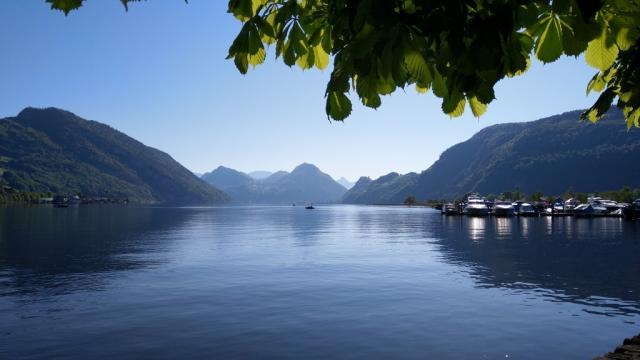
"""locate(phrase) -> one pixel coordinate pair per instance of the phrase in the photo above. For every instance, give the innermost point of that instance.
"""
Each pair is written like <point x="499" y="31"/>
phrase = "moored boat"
<point x="503" y="208"/>
<point x="449" y="209"/>
<point x="632" y="211"/>
<point x="584" y="210"/>
<point x="558" y="206"/>
<point x="476" y="206"/>
<point x="590" y="210"/>
<point x="526" y="209"/>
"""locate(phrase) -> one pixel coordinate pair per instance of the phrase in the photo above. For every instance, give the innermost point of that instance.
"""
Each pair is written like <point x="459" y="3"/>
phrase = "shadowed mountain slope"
<point x="55" y="150"/>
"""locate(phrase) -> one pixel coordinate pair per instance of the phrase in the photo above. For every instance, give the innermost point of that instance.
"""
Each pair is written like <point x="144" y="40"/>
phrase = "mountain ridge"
<point x="306" y="183"/>
<point x="551" y="155"/>
<point x="54" y="150"/>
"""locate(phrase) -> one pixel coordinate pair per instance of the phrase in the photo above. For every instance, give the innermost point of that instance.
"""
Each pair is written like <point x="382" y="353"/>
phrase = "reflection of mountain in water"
<point x="48" y="249"/>
<point x="565" y="259"/>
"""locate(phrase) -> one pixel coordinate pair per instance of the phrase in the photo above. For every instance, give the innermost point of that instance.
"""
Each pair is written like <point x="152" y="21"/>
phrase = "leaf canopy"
<point x="459" y="49"/>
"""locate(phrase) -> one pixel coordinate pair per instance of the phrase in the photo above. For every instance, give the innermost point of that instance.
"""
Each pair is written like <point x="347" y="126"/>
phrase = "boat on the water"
<point x="632" y="211"/>
<point x="603" y="206"/>
<point x="584" y="210"/>
<point x="558" y="206"/>
<point x="591" y="209"/>
<point x="476" y="206"/>
<point x="570" y="205"/>
<point x="526" y="209"/>
<point x="503" y="208"/>
<point x="309" y="207"/>
<point x="449" y="209"/>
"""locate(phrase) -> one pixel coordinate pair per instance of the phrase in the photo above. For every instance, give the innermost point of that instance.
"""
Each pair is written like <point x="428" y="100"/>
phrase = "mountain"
<point x="55" y="150"/>
<point x="346" y="183"/>
<point x="388" y="189"/>
<point x="550" y="155"/>
<point x="224" y="178"/>
<point x="275" y="177"/>
<point x="259" y="175"/>
<point x="240" y="186"/>
<point x="305" y="184"/>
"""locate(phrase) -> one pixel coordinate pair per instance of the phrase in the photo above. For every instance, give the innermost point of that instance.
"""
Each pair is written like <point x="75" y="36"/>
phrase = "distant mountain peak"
<point x="305" y="167"/>
<point x="363" y="180"/>
<point x="346" y="183"/>
<point x="224" y="168"/>
<point x="306" y="183"/>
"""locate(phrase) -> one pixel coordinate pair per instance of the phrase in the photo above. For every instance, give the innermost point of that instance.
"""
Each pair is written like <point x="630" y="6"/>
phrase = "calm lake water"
<point x="340" y="281"/>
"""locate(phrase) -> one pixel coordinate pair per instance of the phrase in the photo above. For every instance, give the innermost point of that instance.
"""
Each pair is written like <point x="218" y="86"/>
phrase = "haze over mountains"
<point x="346" y="183"/>
<point x="305" y="184"/>
<point x="550" y="155"/>
<point x="52" y="150"/>
<point x="260" y="175"/>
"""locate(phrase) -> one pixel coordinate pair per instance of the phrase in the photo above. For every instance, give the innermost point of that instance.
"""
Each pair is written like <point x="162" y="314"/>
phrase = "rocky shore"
<point x="629" y="350"/>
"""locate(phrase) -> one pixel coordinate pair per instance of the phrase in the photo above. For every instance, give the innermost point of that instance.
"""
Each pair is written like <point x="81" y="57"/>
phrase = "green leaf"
<point x="601" y="52"/>
<point x="289" y="54"/>
<point x="386" y="85"/>
<point x="418" y="67"/>
<point x="439" y="85"/>
<point x="572" y="44"/>
<point x="599" y="81"/>
<point x="601" y="106"/>
<point x="477" y="107"/>
<point x="321" y="57"/>
<point x="627" y="37"/>
<point x="453" y="104"/>
<point x="549" y="45"/>
<point x="306" y="61"/>
<point x="242" y="63"/>
<point x="65" y="5"/>
<point x="338" y="105"/>
<point x="298" y="40"/>
<point x="241" y="9"/>
<point x="257" y="58"/>
<point x="422" y="89"/>
<point x="633" y="117"/>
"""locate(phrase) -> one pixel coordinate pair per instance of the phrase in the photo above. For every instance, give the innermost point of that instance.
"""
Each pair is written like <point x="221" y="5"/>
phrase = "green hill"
<point x="57" y="151"/>
<point x="387" y="189"/>
<point x="550" y="155"/>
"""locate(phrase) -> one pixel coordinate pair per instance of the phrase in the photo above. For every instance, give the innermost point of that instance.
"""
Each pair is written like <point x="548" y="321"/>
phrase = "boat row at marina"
<point x="476" y="205"/>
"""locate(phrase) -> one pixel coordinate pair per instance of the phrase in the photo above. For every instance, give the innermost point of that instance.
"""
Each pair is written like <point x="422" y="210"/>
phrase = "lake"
<point x="352" y="282"/>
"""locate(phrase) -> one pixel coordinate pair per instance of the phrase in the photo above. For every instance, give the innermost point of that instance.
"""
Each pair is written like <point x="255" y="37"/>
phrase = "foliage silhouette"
<point x="459" y="49"/>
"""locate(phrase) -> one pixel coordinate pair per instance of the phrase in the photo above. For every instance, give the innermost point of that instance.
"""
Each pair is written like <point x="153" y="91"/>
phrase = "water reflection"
<point x="335" y="282"/>
<point x="50" y="251"/>
<point x="585" y="261"/>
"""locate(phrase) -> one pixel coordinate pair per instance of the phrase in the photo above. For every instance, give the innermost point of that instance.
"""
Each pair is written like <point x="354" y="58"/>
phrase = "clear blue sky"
<point x="159" y="74"/>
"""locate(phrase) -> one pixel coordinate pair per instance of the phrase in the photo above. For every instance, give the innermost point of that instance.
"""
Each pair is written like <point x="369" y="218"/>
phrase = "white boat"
<point x="599" y="208"/>
<point x="558" y="206"/>
<point x="570" y="205"/>
<point x="449" y="209"/>
<point x="476" y="206"/>
<point x="526" y="209"/>
<point x="503" y="208"/>
<point x="584" y="210"/>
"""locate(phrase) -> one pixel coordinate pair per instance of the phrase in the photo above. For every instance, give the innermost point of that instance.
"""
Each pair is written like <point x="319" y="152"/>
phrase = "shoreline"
<point x="629" y="350"/>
